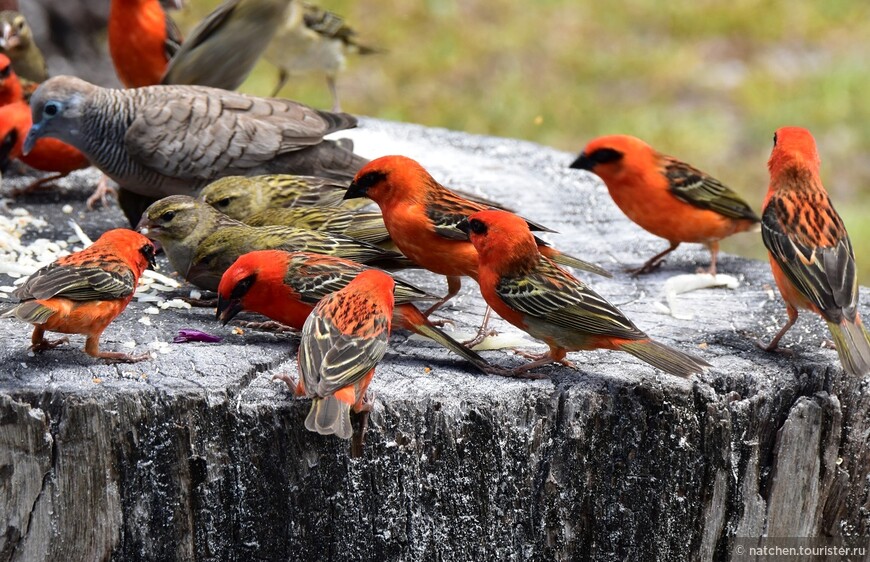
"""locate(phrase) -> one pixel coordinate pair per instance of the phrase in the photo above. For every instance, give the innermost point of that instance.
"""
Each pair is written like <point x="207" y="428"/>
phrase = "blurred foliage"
<point x="703" y="80"/>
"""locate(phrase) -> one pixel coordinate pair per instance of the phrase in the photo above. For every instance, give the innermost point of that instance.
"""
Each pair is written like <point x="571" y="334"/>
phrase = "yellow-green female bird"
<point x="313" y="40"/>
<point x="202" y="244"/>
<point x="16" y="42"/>
<point x="224" y="47"/>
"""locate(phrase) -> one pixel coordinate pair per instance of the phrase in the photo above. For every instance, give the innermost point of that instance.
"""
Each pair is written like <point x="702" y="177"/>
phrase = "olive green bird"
<point x="313" y="40"/>
<point x="240" y="197"/>
<point x="202" y="243"/>
<point x="367" y="226"/>
<point x="224" y="47"/>
<point x="16" y="42"/>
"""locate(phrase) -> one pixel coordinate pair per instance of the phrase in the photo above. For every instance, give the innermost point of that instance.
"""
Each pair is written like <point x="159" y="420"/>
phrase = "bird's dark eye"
<point x="167" y="216"/>
<point x="148" y="251"/>
<point x="477" y="226"/>
<point x="51" y="109"/>
<point x="605" y="155"/>
<point x="20" y="23"/>
<point x="774" y="139"/>
<point x="5" y="71"/>
<point x="243" y="286"/>
<point x="370" y="179"/>
<point x="225" y="202"/>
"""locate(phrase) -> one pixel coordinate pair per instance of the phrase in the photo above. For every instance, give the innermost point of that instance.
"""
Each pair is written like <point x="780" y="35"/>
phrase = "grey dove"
<point x="164" y="140"/>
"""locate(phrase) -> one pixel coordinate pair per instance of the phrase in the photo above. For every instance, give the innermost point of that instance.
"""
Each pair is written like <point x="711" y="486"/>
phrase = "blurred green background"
<point x="704" y="80"/>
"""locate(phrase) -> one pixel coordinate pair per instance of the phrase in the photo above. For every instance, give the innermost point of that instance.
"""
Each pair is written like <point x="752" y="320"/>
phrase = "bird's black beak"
<point x="354" y="191"/>
<point x="583" y="162"/>
<point x="227" y="309"/>
<point x="464" y="226"/>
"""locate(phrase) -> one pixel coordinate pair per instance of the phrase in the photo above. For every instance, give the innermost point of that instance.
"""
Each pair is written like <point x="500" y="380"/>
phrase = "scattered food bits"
<point x="145" y="320"/>
<point x="152" y="310"/>
<point x="67" y="209"/>
<point x="238" y="331"/>
<point x="174" y="303"/>
<point x="96" y="380"/>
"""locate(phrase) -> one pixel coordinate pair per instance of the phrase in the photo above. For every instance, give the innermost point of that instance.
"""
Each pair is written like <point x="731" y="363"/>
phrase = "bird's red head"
<point x="391" y="179"/>
<point x="251" y="274"/>
<point x="10" y="86"/>
<point x="614" y="155"/>
<point x="502" y="239"/>
<point x="15" y="121"/>
<point x="793" y="147"/>
<point x="130" y="246"/>
<point x="374" y="282"/>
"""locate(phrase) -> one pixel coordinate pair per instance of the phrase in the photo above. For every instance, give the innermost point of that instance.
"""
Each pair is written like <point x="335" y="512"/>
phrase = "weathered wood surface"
<point x="199" y="455"/>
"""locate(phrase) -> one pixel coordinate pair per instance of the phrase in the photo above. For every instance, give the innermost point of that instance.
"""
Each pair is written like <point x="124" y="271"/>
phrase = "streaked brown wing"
<point x="77" y="283"/>
<point x="704" y="191"/>
<point x="819" y="265"/>
<point x="330" y="359"/>
<point x="549" y="293"/>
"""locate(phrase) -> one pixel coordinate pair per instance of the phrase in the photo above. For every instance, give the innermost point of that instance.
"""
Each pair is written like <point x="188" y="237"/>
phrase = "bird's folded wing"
<point x="201" y="130"/>
<point x="331" y="360"/>
<point x="825" y="275"/>
<point x="77" y="283"/>
<point x="702" y="190"/>
<point x="550" y="294"/>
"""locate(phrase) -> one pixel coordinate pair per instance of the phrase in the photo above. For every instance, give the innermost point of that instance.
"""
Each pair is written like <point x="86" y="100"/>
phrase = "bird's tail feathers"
<point x="329" y="416"/>
<point x="412" y="319"/>
<point x="577" y="263"/>
<point x="666" y="358"/>
<point x="30" y="311"/>
<point x="853" y="346"/>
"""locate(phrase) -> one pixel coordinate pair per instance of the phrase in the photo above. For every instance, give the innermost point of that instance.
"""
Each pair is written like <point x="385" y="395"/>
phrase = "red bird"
<point x="666" y="197"/>
<point x="142" y="40"/>
<point x="83" y="292"/>
<point x="530" y="291"/>
<point x="10" y="85"/>
<point x="47" y="155"/>
<point x="421" y="216"/>
<point x="286" y="286"/>
<point x="343" y="340"/>
<point x="810" y="253"/>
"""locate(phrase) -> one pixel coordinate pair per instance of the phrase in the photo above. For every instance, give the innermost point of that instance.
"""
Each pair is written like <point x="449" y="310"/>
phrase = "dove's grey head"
<point x="58" y="106"/>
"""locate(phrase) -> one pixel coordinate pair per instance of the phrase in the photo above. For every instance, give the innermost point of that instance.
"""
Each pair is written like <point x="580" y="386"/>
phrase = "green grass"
<point x="703" y="80"/>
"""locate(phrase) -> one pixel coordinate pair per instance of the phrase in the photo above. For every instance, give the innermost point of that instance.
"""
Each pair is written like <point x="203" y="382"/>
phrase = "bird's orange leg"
<point x="453" y="286"/>
<point x="40" y="344"/>
<point x="714" y="254"/>
<point x="92" y="348"/>
<point x="102" y="193"/>
<point x="654" y="262"/>
<point x="298" y="389"/>
<point x="482" y="332"/>
<point x="38" y="184"/>
<point x="774" y="343"/>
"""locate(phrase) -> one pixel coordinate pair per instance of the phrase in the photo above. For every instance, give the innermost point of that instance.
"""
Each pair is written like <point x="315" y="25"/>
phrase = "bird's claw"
<point x="287" y="379"/>
<point x="44" y="344"/>
<point x="101" y="194"/>
<point x="774" y="348"/>
<point x="479" y="337"/>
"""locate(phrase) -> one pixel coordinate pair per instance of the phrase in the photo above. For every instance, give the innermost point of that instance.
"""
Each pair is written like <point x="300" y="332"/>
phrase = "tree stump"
<point x="198" y="455"/>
